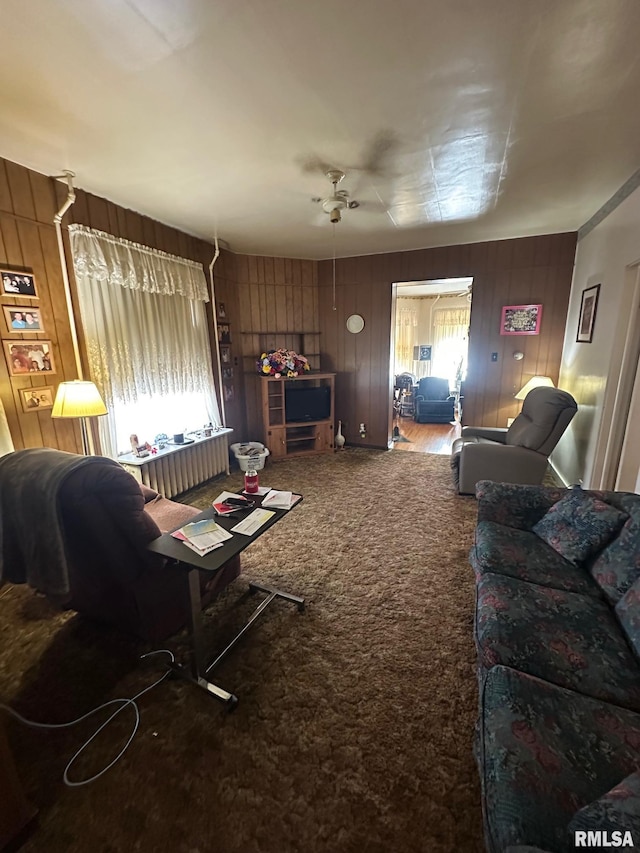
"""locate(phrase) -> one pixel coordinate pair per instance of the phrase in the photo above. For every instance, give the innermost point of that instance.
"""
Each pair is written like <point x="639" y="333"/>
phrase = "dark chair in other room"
<point x="434" y="403"/>
<point x="518" y="454"/>
<point x="404" y="381"/>
<point x="403" y="392"/>
<point x="77" y="528"/>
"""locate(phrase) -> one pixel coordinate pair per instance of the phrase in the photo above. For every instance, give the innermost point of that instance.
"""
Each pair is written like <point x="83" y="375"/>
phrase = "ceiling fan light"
<point x="334" y="202"/>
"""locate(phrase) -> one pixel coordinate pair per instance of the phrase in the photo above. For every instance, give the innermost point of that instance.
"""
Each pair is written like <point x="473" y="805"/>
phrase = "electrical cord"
<point x="123" y="703"/>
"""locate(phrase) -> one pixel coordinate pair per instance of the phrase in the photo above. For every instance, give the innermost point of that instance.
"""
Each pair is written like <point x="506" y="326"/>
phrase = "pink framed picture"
<point x="521" y="320"/>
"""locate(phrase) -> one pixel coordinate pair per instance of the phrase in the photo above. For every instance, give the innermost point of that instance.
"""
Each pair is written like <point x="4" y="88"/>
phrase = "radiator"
<point x="177" y="468"/>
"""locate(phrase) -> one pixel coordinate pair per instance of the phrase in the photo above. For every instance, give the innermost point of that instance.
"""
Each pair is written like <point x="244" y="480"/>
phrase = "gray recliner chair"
<point x="518" y="454"/>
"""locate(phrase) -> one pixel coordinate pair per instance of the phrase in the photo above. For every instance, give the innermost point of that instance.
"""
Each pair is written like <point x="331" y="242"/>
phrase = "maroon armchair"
<point x="77" y="527"/>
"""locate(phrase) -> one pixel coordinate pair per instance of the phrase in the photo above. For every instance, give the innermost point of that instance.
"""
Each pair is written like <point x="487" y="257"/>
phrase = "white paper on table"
<point x="278" y="500"/>
<point x="201" y="551"/>
<point x="253" y="521"/>
<point x="213" y="537"/>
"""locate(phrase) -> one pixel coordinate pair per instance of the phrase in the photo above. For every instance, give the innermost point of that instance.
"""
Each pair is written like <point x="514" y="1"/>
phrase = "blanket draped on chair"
<point x="32" y="548"/>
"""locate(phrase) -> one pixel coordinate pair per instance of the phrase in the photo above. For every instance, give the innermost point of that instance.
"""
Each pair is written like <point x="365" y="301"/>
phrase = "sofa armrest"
<point x="498" y="434"/>
<point x="169" y="515"/>
<point x="515" y="505"/>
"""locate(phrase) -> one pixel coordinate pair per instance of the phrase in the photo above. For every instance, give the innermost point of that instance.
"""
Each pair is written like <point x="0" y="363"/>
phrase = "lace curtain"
<point x="406" y="322"/>
<point x="146" y="334"/>
<point x="450" y="341"/>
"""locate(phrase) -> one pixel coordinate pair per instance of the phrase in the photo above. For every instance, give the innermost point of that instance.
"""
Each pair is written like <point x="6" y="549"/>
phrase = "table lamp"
<point x="79" y="399"/>
<point x="534" y="382"/>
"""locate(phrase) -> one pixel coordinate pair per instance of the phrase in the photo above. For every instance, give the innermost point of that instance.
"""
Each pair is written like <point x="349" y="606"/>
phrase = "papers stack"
<point x="202" y="536"/>
<point x="279" y="500"/>
<point x="222" y="509"/>
<point x="253" y="521"/>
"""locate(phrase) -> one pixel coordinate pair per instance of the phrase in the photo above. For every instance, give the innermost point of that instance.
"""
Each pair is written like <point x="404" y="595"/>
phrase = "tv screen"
<point x="306" y="404"/>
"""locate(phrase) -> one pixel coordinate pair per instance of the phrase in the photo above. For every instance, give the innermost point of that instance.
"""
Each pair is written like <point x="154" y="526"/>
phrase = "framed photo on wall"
<point x="18" y="283"/>
<point x="521" y="320"/>
<point x="28" y="357"/>
<point x="23" y="318"/>
<point x="587" y="318"/>
<point x="225" y="354"/>
<point x="37" y="399"/>
<point x="422" y="352"/>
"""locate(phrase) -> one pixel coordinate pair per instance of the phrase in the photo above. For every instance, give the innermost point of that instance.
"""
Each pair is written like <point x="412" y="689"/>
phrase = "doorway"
<point x="617" y="460"/>
<point x="431" y="338"/>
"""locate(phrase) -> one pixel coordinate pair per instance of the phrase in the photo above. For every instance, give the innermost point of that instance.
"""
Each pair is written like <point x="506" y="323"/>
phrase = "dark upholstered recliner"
<point x="518" y="454"/>
<point x="76" y="528"/>
<point x="434" y="401"/>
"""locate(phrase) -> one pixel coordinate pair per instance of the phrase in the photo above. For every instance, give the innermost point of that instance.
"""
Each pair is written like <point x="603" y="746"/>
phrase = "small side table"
<point x="186" y="559"/>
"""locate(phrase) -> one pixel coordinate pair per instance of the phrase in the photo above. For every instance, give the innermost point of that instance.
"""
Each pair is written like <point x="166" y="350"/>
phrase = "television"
<point x="302" y="403"/>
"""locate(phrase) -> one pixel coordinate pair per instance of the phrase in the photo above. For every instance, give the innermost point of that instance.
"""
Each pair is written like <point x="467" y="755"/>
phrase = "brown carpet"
<point x="354" y="729"/>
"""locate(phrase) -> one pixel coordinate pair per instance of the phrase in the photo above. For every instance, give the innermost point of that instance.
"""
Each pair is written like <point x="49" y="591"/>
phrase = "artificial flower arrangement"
<point x="282" y="362"/>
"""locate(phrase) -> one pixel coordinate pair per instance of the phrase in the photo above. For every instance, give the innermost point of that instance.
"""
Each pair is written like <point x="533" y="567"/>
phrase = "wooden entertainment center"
<point x="286" y="437"/>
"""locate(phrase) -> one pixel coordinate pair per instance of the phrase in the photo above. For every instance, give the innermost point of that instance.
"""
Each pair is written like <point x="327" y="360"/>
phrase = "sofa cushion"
<point x="616" y="811"/>
<point x="628" y="612"/>
<point x="524" y="849"/>
<point x="522" y="554"/>
<point x="579" y="525"/>
<point x="566" y="638"/>
<point x="546" y="752"/>
<point x="617" y="566"/>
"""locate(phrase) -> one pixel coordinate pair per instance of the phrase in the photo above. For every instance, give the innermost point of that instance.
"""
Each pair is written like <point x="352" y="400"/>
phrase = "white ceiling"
<point x="455" y="120"/>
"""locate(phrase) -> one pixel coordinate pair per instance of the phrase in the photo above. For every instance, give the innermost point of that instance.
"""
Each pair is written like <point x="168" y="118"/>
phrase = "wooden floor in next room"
<point x="425" y="438"/>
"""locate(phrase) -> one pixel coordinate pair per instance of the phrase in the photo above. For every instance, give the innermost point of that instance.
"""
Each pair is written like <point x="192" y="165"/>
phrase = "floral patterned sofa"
<point x="558" y="639"/>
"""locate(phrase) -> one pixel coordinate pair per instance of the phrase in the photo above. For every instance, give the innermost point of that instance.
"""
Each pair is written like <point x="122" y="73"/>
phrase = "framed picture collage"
<point x="26" y="350"/>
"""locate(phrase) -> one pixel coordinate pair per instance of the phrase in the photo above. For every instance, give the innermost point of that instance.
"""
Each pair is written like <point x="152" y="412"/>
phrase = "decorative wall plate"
<point x="355" y="323"/>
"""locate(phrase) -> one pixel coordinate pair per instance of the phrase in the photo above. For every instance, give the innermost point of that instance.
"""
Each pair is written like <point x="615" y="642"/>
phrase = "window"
<point x="450" y="344"/>
<point x="147" y="339"/>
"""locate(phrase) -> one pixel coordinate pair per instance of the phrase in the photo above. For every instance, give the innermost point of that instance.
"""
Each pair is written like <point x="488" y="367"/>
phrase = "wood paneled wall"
<point x="507" y="272"/>
<point x="277" y="306"/>
<point x="28" y="243"/>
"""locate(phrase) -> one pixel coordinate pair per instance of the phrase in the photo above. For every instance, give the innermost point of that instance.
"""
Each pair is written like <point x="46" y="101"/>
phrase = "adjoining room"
<point x="431" y="339"/>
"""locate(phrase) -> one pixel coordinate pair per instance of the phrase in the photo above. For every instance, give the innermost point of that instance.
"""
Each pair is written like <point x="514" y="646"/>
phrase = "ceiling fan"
<point x="338" y="200"/>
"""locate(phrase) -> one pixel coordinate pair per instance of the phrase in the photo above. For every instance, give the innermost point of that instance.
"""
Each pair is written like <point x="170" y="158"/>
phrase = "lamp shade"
<point x="78" y="399"/>
<point x="534" y="382"/>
